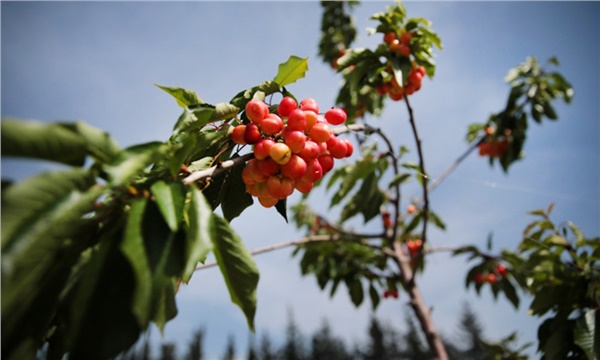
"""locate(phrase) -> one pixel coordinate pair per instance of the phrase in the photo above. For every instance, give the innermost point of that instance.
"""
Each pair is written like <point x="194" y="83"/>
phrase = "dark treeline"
<point x="382" y="342"/>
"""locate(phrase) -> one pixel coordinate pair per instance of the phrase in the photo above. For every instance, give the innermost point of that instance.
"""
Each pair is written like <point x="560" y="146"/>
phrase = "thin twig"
<point x="303" y="241"/>
<point x="424" y="175"/>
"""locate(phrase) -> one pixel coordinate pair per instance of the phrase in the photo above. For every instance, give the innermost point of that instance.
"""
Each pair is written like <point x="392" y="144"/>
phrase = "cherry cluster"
<point x="401" y="47"/>
<point x="414" y="246"/>
<point x="491" y="278"/>
<point x="293" y="147"/>
<point x="390" y="293"/>
<point x="494" y="147"/>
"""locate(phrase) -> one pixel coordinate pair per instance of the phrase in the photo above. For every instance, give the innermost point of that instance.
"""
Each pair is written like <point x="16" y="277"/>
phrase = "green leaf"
<point x="291" y="70"/>
<point x="98" y="308"/>
<point x="399" y="180"/>
<point x="155" y="253"/>
<point x="38" y="140"/>
<point x="134" y="250"/>
<point x="436" y="220"/>
<point x="98" y="143"/>
<point x="545" y="299"/>
<point x="556" y="240"/>
<point x="131" y="161"/>
<point x="184" y="97"/>
<point x="201" y="164"/>
<point x="238" y="268"/>
<point x="225" y="111"/>
<point x="281" y="208"/>
<point x="366" y="201"/>
<point x="510" y="292"/>
<point x="199" y="232"/>
<point x="374" y="295"/>
<point x="355" y="172"/>
<point x="30" y="205"/>
<point x="170" y="199"/>
<point x="194" y="117"/>
<point x="585" y="334"/>
<point x="43" y="233"/>
<point x="266" y="88"/>
<point x="355" y="290"/>
<point x="236" y="199"/>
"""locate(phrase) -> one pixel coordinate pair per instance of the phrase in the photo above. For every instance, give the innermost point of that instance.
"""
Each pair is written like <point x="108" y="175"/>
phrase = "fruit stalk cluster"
<point x="293" y="147"/>
<point x="491" y="277"/>
<point x="494" y="146"/>
<point x="400" y="45"/>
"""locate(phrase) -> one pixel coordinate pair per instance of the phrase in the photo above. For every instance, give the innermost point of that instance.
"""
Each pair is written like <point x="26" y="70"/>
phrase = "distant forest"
<point x="382" y="342"/>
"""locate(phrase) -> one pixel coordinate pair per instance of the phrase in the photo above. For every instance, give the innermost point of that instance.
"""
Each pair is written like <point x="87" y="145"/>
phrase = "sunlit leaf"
<point x="291" y="70"/>
<point x="170" y="199"/>
<point x="184" y="97"/>
<point x="131" y="161"/>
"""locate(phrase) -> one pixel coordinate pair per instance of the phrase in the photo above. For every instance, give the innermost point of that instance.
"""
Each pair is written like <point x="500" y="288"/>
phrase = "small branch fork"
<point x="217" y="169"/>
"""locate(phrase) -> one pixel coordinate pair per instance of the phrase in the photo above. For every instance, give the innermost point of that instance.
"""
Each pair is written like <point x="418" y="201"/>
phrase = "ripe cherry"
<point x="280" y="153"/>
<point x="309" y="104"/>
<point x="336" y="116"/>
<point x="237" y="134"/>
<point x="389" y="36"/>
<point x="405" y="38"/>
<point x="320" y="132"/>
<point x="262" y="148"/>
<point x="272" y="124"/>
<point x="252" y="134"/>
<point x="256" y="110"/>
<point x="414" y="246"/>
<point x="286" y="106"/>
<point x="501" y="270"/>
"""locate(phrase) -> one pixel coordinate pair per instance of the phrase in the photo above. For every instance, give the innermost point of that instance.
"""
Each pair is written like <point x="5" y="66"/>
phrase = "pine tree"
<point x="293" y="349"/>
<point x="266" y="351"/>
<point x="393" y="343"/>
<point x="471" y="331"/>
<point x="376" y="343"/>
<point x="325" y="346"/>
<point x="252" y="353"/>
<point x="195" y="349"/>
<point x="168" y="351"/>
<point x="230" y="349"/>
<point x="413" y="345"/>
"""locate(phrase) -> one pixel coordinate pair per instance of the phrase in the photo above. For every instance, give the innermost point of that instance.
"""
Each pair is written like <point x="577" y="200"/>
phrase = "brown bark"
<point x="418" y="304"/>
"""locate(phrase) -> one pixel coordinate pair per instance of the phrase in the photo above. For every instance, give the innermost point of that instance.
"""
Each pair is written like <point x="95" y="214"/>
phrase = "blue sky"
<point x="98" y="61"/>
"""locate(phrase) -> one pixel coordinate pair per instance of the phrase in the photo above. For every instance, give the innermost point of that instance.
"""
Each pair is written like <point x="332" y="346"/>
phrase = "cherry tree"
<point x="92" y="255"/>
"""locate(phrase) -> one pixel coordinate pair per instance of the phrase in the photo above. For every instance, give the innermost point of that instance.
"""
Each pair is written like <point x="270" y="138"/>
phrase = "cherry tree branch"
<point x="304" y="241"/>
<point x="425" y="177"/>
<point x="418" y="304"/>
<point x="217" y="169"/>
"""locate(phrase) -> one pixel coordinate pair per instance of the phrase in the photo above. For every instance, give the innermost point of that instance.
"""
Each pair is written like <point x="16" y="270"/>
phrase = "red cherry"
<point x="336" y="116"/>
<point x="286" y="106"/>
<point x="501" y="270"/>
